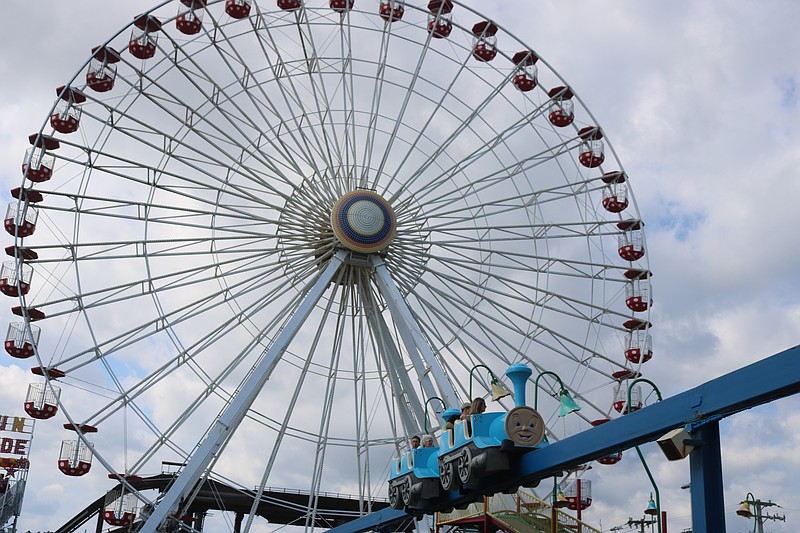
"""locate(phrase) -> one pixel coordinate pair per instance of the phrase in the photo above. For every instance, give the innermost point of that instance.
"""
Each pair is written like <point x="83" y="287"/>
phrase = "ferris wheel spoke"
<point x="155" y="213"/>
<point x="190" y="115"/>
<point x="489" y="337"/>
<point x="520" y="166"/>
<point x="403" y="109"/>
<point x="149" y="328"/>
<point x="159" y="283"/>
<point x="438" y="106"/>
<point x="262" y="102"/>
<point x="319" y="93"/>
<point x="213" y="388"/>
<point x="464" y="123"/>
<point x="484" y="149"/>
<point x="290" y="409"/>
<point x="571" y="306"/>
<point x="501" y="312"/>
<point x="551" y="263"/>
<point x="375" y="109"/>
<point x="326" y="414"/>
<point x="458" y="227"/>
<point x="509" y="204"/>
<point x="187" y="357"/>
<point x="285" y="70"/>
<point x="135" y="249"/>
<point x="194" y="160"/>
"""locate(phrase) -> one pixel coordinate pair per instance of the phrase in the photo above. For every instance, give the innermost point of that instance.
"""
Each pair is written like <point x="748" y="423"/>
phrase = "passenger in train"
<point x="427" y="441"/>
<point x="415" y="442"/>
<point x="478" y="406"/>
<point x="450" y="422"/>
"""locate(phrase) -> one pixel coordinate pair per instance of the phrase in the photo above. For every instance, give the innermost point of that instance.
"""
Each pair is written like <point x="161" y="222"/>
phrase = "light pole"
<point x="656" y="512"/>
<point x="568" y="405"/>
<point x="498" y="390"/>
<point x="758" y="523"/>
<point x="425" y="409"/>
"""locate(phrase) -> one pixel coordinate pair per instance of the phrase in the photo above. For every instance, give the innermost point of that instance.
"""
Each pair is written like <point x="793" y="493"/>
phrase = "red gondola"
<point x="190" y="21"/>
<point x="238" y="9"/>
<point x="526" y="77"/>
<point x="615" y="195"/>
<point x="42" y="401"/>
<point x="14" y="282"/>
<point x="591" y="152"/>
<point x="38" y="163"/>
<point x="440" y="18"/>
<point x="561" y="106"/>
<point x="102" y="69"/>
<point x="75" y="458"/>
<point x="631" y="240"/>
<point x="484" y="45"/>
<point x="119" y="508"/>
<point x="144" y="36"/>
<point x="67" y="115"/>
<point x="638" y="346"/>
<point x="20" y="344"/>
<point x="638" y="296"/>
<point x="20" y="222"/>
<point x="391" y="10"/>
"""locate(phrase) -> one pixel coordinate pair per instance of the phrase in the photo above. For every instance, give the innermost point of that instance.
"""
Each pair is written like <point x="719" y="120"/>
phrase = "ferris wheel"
<point x="270" y="241"/>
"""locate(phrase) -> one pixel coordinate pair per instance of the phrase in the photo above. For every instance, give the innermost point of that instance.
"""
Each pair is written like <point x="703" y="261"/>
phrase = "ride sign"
<point x="16" y="433"/>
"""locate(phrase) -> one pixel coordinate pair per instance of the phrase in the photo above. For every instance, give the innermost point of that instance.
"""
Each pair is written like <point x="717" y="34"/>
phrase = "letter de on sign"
<point x="19" y="447"/>
<point x="6" y="445"/>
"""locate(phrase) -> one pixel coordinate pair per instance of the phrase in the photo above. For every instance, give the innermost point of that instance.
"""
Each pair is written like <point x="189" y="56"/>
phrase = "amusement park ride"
<point x="301" y="224"/>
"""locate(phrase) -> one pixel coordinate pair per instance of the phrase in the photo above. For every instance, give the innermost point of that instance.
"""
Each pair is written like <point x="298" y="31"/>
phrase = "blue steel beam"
<point x="772" y="378"/>
<point x="705" y="466"/>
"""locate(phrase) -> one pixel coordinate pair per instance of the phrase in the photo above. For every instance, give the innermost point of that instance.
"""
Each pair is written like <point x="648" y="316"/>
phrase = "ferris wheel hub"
<point x="363" y="221"/>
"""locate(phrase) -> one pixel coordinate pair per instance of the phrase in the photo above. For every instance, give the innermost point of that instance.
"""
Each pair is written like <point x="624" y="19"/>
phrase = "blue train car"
<point x="414" y="477"/>
<point x="474" y="448"/>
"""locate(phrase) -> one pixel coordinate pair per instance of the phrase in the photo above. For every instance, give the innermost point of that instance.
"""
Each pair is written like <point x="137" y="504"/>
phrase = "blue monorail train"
<point x="474" y="448"/>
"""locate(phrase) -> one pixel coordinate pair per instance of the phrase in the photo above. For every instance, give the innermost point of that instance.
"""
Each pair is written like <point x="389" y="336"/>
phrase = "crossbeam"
<point x="767" y="380"/>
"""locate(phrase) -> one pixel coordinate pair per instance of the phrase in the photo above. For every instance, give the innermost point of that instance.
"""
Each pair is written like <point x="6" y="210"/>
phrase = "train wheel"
<point x="405" y="490"/>
<point x="464" y="466"/>
<point x="447" y="476"/>
<point x="395" y="500"/>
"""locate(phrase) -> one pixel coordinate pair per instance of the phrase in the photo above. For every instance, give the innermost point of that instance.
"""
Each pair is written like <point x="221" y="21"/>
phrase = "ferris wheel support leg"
<point x="408" y="402"/>
<point x="235" y="411"/>
<point x="412" y="336"/>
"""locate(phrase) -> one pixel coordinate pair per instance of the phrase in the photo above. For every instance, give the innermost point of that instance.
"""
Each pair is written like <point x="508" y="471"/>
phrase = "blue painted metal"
<point x="699" y="408"/>
<point x="705" y="467"/>
<point x="519" y="374"/>
<point x="423" y="462"/>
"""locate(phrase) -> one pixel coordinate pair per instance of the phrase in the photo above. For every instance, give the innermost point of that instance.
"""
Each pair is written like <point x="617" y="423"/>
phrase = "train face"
<point x="481" y="446"/>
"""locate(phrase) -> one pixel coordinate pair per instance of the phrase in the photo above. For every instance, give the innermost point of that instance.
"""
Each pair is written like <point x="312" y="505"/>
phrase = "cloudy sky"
<point x="700" y="102"/>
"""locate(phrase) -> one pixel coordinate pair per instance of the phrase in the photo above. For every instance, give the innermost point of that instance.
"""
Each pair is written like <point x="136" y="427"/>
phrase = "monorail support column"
<point x="705" y="466"/>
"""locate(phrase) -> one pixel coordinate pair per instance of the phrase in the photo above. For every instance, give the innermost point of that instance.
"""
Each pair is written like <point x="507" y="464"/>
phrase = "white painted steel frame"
<point x="258" y="128"/>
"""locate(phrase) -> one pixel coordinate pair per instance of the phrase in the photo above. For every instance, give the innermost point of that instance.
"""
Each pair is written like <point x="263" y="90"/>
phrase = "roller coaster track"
<point x="699" y="410"/>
